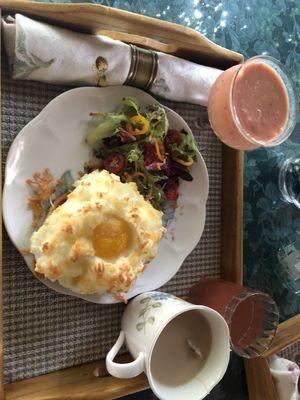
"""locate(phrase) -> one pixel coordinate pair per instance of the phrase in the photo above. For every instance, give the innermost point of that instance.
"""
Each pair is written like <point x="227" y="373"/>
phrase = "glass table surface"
<point x="250" y="27"/>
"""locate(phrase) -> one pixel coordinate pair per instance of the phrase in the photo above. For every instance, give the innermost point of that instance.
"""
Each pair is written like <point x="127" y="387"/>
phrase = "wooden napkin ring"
<point x="143" y="68"/>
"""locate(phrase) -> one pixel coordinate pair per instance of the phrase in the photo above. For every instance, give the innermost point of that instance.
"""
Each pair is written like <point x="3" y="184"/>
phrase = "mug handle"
<point x="123" y="371"/>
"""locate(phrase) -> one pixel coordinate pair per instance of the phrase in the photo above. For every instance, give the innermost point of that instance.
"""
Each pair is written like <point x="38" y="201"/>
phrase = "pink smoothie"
<point x="249" y="106"/>
<point x="261" y="101"/>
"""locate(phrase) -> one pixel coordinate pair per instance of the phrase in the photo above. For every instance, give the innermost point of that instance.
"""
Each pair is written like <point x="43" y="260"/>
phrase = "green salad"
<point x="141" y="147"/>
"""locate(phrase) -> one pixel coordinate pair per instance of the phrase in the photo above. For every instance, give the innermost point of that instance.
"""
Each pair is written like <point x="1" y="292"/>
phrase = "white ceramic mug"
<point x="183" y="348"/>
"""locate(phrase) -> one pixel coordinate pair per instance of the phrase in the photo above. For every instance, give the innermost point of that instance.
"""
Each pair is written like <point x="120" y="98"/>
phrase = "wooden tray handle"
<point x="141" y="41"/>
<point x="160" y="35"/>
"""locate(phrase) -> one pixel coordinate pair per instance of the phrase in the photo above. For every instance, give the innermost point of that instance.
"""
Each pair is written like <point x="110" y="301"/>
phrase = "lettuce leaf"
<point x="106" y="128"/>
<point x="158" y="196"/>
<point x="67" y="186"/>
<point x="130" y="106"/>
<point x="187" y="147"/>
<point x="135" y="156"/>
<point x="158" y="120"/>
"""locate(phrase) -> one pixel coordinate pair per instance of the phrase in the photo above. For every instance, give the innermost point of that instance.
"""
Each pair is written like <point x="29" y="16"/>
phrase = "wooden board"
<point x="259" y="380"/>
<point x="232" y="215"/>
<point x="79" y="382"/>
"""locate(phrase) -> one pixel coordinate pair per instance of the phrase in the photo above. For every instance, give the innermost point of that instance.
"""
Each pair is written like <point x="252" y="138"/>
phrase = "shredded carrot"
<point x="131" y="177"/>
<point x="96" y="114"/>
<point x="160" y="150"/>
<point x="44" y="186"/>
<point x="159" y="165"/>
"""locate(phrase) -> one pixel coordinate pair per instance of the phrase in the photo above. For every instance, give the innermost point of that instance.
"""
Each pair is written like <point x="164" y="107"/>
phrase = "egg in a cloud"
<point x="100" y="239"/>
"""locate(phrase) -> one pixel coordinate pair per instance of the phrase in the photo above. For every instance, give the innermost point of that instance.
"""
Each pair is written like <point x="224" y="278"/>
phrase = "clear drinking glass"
<point x="241" y="99"/>
<point x="252" y="316"/>
<point x="289" y="180"/>
<point x="289" y="259"/>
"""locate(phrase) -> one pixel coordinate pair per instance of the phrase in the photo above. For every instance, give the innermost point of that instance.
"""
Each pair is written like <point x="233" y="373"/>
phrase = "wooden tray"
<point x="79" y="382"/>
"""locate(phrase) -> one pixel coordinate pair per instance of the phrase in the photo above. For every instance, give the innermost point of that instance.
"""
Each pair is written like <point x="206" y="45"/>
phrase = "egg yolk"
<point x="111" y="238"/>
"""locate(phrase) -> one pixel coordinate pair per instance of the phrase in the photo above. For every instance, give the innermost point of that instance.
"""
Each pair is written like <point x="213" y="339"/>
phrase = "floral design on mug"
<point x="164" y="296"/>
<point x="148" y="304"/>
<point x="161" y="296"/>
<point x="152" y="301"/>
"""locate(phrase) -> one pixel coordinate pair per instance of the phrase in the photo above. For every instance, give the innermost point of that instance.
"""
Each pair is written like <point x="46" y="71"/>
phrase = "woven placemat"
<point x="45" y="331"/>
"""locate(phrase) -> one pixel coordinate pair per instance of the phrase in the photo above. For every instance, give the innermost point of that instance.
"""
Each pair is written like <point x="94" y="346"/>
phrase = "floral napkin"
<point x="42" y="52"/>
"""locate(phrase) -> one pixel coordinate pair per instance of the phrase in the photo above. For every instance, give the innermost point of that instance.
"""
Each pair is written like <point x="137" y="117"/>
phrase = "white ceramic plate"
<point x="55" y="140"/>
